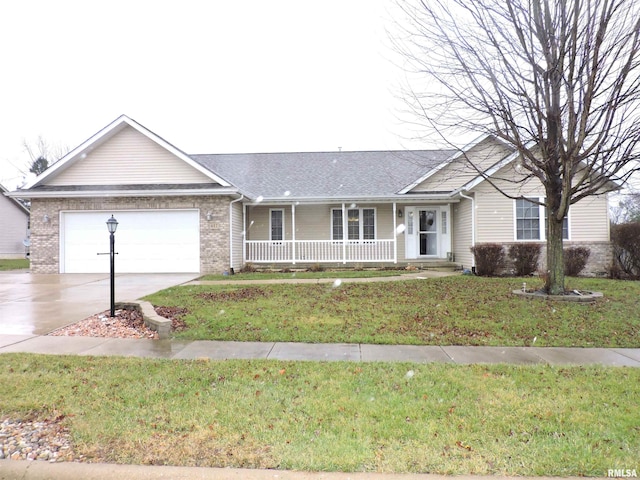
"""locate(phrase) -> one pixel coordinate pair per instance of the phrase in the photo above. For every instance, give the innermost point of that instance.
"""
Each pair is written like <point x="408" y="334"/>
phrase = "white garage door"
<point x="150" y="241"/>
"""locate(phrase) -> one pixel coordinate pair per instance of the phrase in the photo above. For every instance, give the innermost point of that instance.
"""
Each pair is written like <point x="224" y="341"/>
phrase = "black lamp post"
<point x="112" y="225"/>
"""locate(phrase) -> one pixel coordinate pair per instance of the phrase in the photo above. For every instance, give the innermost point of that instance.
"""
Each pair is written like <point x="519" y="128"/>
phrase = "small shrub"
<point x="525" y="257"/>
<point x="614" y="271"/>
<point x="489" y="258"/>
<point x="575" y="259"/>
<point x="626" y="248"/>
<point x="316" y="267"/>
<point x="248" y="268"/>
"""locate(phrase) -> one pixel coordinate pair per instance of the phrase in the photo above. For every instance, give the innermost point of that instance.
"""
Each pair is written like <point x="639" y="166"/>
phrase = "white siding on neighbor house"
<point x="128" y="158"/>
<point x="462" y="236"/>
<point x="13" y="228"/>
<point x="458" y="172"/>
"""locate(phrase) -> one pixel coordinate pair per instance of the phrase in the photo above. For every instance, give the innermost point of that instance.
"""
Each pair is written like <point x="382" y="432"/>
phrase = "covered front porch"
<point x="368" y="233"/>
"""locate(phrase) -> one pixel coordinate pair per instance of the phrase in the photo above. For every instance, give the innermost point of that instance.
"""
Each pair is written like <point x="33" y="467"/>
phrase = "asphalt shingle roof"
<point x="323" y="174"/>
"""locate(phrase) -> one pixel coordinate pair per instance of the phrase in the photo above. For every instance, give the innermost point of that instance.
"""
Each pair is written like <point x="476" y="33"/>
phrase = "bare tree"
<point x="628" y="209"/>
<point x="42" y="154"/>
<point x="557" y="80"/>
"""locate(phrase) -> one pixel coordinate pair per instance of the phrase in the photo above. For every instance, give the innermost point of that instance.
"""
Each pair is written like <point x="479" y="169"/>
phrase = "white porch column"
<point x="244" y="234"/>
<point x="293" y="232"/>
<point x="344" y="235"/>
<point x="395" y="234"/>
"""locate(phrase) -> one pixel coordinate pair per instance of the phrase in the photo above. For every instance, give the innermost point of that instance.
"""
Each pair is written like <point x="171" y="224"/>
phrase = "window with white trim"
<point x="527" y="220"/>
<point x="531" y="220"/>
<point x="276" y="226"/>
<point x="361" y="224"/>
<point x="336" y="225"/>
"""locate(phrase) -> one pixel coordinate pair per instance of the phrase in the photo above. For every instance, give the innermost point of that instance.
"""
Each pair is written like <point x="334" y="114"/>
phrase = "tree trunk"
<point x="555" y="257"/>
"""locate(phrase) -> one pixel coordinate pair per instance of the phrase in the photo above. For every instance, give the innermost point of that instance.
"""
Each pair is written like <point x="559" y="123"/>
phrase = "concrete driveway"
<point x="35" y="304"/>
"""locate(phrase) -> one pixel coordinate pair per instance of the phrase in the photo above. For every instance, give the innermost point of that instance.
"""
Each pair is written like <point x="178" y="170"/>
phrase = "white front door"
<point x="427" y="231"/>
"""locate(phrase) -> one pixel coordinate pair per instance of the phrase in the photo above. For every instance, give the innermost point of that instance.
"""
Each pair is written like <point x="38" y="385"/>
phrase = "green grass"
<point x="461" y="310"/>
<point x="342" y="416"/>
<point x="13" y="263"/>
<point x="305" y="275"/>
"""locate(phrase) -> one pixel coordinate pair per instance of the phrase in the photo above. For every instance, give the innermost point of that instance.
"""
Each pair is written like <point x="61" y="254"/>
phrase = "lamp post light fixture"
<point x="112" y="225"/>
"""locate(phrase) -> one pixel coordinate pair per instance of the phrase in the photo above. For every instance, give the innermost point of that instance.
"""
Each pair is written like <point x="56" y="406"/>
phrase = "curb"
<point x="37" y="470"/>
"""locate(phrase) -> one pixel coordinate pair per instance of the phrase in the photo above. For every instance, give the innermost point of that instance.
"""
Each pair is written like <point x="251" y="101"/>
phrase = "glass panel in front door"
<point x="428" y="232"/>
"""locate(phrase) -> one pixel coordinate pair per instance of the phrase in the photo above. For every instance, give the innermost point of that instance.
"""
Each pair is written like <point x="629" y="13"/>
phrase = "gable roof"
<point x="454" y="155"/>
<point x="105" y="134"/>
<point x="323" y="175"/>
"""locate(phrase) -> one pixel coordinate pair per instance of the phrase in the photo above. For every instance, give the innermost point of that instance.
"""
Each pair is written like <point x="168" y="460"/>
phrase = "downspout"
<point x="473" y="225"/>
<point x="231" y="233"/>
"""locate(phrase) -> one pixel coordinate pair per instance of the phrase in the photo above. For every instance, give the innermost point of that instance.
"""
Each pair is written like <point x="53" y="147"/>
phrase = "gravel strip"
<point x="46" y="439"/>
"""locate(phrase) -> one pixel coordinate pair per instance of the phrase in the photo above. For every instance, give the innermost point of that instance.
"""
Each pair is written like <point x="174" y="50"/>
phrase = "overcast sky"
<point x="208" y="76"/>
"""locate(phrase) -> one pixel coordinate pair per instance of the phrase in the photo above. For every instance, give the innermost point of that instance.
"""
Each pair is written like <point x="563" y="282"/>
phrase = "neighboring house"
<point x="14" y="227"/>
<point x="215" y="213"/>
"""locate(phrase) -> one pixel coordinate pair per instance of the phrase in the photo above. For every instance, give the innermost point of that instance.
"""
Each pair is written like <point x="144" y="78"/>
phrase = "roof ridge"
<point x="327" y="152"/>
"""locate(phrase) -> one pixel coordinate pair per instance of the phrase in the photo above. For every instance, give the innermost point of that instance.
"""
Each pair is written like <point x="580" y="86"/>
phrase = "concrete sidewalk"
<point x="330" y="352"/>
<point x="23" y="470"/>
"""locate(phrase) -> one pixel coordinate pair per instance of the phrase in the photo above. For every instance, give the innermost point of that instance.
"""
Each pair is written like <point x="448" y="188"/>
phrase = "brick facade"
<point x="214" y="225"/>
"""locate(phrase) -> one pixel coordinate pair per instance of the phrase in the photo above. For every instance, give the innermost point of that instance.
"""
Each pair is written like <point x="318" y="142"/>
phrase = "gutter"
<point x="121" y="193"/>
<point x="231" y="231"/>
<point x="473" y="225"/>
<point x="404" y="200"/>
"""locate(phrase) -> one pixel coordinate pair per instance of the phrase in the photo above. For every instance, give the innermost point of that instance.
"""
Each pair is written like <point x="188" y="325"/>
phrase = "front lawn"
<point x="334" y="416"/>
<point x="306" y="275"/>
<point x="13" y="264"/>
<point x="460" y="310"/>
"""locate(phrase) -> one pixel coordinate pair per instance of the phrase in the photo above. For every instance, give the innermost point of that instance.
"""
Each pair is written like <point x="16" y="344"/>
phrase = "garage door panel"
<point x="146" y="241"/>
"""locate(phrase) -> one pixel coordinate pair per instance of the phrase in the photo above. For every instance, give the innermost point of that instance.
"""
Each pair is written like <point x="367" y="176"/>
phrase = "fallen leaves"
<point x="234" y="295"/>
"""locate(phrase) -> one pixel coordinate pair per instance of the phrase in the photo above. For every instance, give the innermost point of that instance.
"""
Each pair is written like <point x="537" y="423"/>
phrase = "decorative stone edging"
<point x="151" y="319"/>
<point x="579" y="297"/>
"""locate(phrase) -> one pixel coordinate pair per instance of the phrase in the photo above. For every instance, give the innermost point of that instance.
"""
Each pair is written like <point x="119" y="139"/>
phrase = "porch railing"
<point x="319" y="251"/>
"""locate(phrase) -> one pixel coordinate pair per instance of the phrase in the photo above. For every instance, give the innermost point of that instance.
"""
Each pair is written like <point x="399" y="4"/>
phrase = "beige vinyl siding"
<point x="128" y="158"/>
<point x="13" y="229"/>
<point x="313" y="222"/>
<point x="258" y="222"/>
<point x="589" y="220"/>
<point x="495" y="221"/>
<point x="458" y="172"/>
<point x="401" y="243"/>
<point x="462" y="233"/>
<point x="237" y="227"/>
